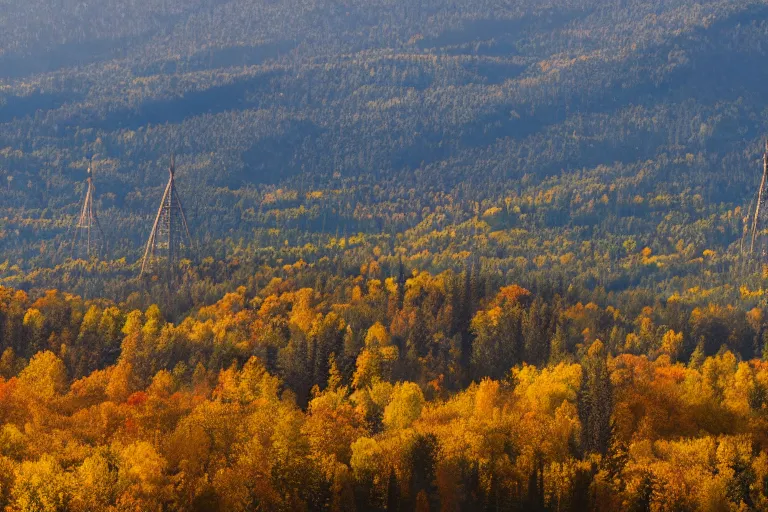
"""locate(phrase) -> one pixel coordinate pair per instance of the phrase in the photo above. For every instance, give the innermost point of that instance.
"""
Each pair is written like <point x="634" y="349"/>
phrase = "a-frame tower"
<point x="758" y="245"/>
<point x="88" y="238"/>
<point x="170" y="233"/>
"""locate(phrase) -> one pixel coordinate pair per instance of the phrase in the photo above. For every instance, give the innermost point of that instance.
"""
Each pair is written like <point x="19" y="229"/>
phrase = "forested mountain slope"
<point x="517" y="130"/>
<point x="477" y="255"/>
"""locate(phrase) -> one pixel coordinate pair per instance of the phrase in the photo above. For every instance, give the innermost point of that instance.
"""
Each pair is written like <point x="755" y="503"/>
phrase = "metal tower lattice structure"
<point x="88" y="238"/>
<point x="170" y="233"/>
<point x="758" y="246"/>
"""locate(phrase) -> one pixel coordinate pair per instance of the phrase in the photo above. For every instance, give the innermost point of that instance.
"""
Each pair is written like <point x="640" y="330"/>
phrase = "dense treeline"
<point x="412" y="325"/>
<point x="376" y="392"/>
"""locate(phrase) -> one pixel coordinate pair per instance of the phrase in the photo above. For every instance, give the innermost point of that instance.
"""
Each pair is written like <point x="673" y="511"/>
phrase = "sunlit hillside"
<point x="433" y="255"/>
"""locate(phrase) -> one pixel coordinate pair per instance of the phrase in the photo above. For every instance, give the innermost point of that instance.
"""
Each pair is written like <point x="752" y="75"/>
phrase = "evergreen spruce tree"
<point x="400" y="283"/>
<point x="423" y="457"/>
<point x="595" y="401"/>
<point x="558" y="351"/>
<point x="393" y="493"/>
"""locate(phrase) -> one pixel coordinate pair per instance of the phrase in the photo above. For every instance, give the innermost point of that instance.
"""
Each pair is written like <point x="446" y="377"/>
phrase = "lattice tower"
<point x="758" y="247"/>
<point x="88" y="238"/>
<point x="170" y="236"/>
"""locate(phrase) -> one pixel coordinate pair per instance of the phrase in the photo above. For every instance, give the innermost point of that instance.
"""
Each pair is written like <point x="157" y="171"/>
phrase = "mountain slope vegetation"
<point x="324" y="118"/>
<point x="482" y="255"/>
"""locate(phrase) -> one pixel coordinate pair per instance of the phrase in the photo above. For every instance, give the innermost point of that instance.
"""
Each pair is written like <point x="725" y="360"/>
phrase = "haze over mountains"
<point x="388" y="111"/>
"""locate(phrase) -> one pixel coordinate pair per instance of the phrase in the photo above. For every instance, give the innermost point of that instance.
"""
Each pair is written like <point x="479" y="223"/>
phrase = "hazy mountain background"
<point x="586" y="121"/>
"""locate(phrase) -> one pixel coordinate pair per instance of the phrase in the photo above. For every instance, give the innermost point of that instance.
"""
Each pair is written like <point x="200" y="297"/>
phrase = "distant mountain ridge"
<point x="368" y="103"/>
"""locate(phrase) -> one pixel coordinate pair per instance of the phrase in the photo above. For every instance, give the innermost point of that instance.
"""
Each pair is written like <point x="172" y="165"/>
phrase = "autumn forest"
<point x="443" y="256"/>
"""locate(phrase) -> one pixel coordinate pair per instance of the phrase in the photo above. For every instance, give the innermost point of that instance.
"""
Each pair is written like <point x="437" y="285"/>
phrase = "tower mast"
<point x="170" y="232"/>
<point x="88" y="236"/>
<point x="759" y="222"/>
